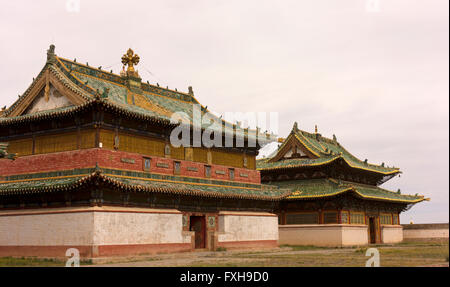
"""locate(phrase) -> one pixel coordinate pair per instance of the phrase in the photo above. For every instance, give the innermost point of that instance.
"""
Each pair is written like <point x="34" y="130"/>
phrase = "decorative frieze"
<point x="162" y="165"/>
<point x="127" y="160"/>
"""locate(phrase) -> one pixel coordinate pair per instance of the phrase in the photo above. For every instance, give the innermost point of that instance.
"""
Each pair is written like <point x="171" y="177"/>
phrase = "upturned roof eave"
<point x="353" y="189"/>
<point x="334" y="158"/>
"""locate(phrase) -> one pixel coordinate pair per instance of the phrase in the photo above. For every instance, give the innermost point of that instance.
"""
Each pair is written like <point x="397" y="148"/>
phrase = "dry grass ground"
<point x="404" y="254"/>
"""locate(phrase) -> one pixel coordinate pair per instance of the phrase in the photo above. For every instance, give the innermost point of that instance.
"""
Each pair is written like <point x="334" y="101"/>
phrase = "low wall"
<point x="432" y="231"/>
<point x="247" y="230"/>
<point x="391" y="233"/>
<point x="323" y="234"/>
<point x="94" y="231"/>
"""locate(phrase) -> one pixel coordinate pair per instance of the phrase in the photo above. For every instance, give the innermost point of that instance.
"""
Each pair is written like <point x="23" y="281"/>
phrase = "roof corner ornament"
<point x="51" y="54"/>
<point x="191" y="91"/>
<point x="315" y="129"/>
<point x="334" y="138"/>
<point x="105" y="93"/>
<point x="4" y="153"/>
<point x="130" y="59"/>
<point x="295" y="127"/>
<point x="3" y="111"/>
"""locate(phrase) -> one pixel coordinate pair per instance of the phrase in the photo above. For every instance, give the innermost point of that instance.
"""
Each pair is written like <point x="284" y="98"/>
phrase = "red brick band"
<point x="93" y="251"/>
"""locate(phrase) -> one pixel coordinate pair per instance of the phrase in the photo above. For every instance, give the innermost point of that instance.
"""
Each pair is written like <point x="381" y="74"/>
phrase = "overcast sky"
<point x="376" y="76"/>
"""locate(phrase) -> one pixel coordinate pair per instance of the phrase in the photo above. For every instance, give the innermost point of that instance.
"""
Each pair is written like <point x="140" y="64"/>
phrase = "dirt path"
<point x="223" y="257"/>
<point x="398" y="255"/>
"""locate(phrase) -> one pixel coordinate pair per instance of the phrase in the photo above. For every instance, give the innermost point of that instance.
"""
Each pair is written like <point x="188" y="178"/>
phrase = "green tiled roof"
<point x="264" y="164"/>
<point x="317" y="188"/>
<point x="40" y="185"/>
<point x="325" y="150"/>
<point x="96" y="85"/>
<point x="139" y="181"/>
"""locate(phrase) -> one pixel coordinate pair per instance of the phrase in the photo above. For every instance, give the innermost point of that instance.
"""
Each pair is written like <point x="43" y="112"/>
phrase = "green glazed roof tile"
<point x="138" y="181"/>
<point x="326" y="150"/>
<point x="317" y="188"/>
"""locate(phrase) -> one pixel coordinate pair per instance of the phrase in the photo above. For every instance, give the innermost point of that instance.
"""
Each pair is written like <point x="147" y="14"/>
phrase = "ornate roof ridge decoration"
<point x="145" y="87"/>
<point x="130" y="59"/>
<point x="118" y="79"/>
<point x="127" y="183"/>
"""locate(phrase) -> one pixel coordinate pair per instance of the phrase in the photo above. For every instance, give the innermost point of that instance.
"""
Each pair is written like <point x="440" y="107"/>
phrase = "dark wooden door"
<point x="372" y="230"/>
<point x="197" y="224"/>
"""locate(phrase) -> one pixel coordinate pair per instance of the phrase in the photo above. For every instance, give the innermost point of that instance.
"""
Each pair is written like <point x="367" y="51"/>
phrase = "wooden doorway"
<point x="372" y="230"/>
<point x="198" y="225"/>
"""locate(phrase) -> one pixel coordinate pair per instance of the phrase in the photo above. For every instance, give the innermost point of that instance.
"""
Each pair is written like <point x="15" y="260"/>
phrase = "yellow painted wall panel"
<point x="107" y="139"/>
<point x="200" y="155"/>
<point x="141" y="145"/>
<point x="56" y="143"/>
<point x="21" y="147"/>
<point x="227" y="158"/>
<point x="87" y="139"/>
<point x="177" y="153"/>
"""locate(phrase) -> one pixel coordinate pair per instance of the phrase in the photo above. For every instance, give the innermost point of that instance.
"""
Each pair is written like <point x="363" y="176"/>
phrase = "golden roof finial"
<point x="316" y="129"/>
<point x="130" y="59"/>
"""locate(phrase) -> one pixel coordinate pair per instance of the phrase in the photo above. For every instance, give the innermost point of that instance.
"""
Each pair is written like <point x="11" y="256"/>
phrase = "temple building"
<point x="336" y="198"/>
<point x="87" y="161"/>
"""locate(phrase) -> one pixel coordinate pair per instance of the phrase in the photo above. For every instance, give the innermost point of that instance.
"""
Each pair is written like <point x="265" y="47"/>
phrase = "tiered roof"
<point x="323" y="151"/>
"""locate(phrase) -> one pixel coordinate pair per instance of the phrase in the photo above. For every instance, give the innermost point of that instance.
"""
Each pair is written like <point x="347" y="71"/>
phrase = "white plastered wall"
<point x="89" y="226"/>
<point x="37" y="229"/>
<point x="115" y="228"/>
<point x="323" y="234"/>
<point x="247" y="226"/>
<point x="391" y="233"/>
